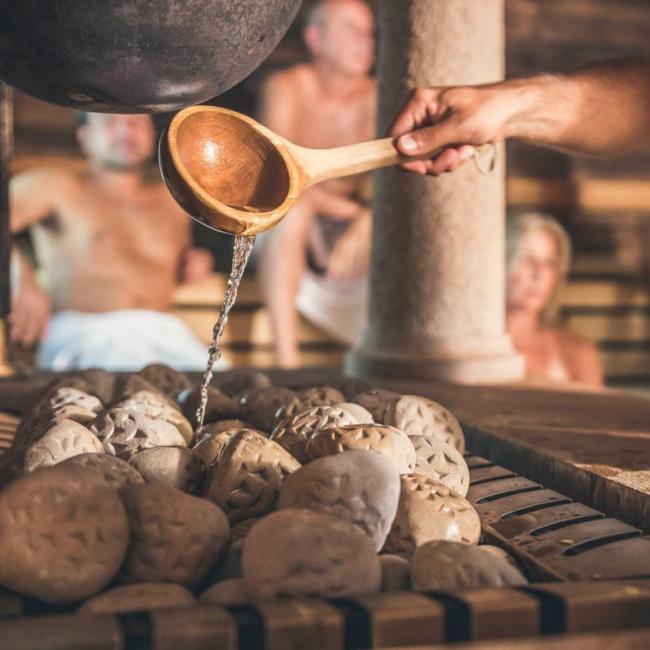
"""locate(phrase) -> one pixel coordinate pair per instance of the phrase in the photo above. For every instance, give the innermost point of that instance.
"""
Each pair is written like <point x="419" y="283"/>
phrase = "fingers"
<point x="418" y="111"/>
<point x="451" y="159"/>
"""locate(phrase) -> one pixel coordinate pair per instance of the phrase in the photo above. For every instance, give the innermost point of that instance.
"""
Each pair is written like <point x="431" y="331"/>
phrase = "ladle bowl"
<point x="235" y="175"/>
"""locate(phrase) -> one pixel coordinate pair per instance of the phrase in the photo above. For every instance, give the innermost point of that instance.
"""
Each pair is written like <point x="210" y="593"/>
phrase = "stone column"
<point x="437" y="273"/>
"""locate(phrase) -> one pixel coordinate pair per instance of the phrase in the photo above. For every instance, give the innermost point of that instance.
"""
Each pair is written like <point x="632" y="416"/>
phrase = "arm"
<point x="33" y="196"/>
<point x="603" y="109"/>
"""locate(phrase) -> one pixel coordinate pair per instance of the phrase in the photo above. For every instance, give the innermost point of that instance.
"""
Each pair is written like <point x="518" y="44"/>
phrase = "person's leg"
<point x="281" y="267"/>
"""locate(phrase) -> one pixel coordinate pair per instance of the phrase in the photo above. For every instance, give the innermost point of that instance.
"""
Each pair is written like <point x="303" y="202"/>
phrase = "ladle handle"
<point x="325" y="164"/>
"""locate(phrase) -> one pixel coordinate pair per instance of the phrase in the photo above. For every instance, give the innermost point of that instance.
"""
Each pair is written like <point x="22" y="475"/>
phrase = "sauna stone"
<point x="311" y="397"/>
<point x="294" y="431"/>
<point x="444" y="565"/>
<point x="124" y="433"/>
<point x="167" y="380"/>
<point x="219" y="406"/>
<point x="239" y="531"/>
<point x="135" y="598"/>
<point x="112" y="470"/>
<point x="441" y="462"/>
<point x="63" y="440"/>
<point x="153" y="405"/>
<point x="395" y="573"/>
<point x="176" y="467"/>
<point x="175" y="537"/>
<point x="64" y="520"/>
<point x="359" y="486"/>
<point x="361" y="415"/>
<point x="418" y="416"/>
<point x="430" y="511"/>
<point x="246" y="481"/>
<point x="130" y="385"/>
<point x="229" y="592"/>
<point x="376" y="402"/>
<point x="352" y="387"/>
<point x="210" y="446"/>
<point x="235" y="382"/>
<point x="383" y="439"/>
<point x="297" y="552"/>
<point x="261" y="406"/>
<point x="223" y="425"/>
<point x="66" y="396"/>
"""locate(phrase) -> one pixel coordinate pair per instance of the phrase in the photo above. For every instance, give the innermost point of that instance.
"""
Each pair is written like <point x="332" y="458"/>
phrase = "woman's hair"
<point x="519" y="226"/>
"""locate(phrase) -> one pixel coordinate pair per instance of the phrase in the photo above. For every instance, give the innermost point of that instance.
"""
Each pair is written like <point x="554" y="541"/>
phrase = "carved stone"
<point x="219" y="407"/>
<point x="361" y="415"/>
<point x="239" y="531"/>
<point x="136" y="598"/>
<point x="176" y="467"/>
<point x="210" y="446"/>
<point x="359" y="486"/>
<point x="441" y="462"/>
<point x="237" y="381"/>
<point x="310" y="398"/>
<point x="65" y="396"/>
<point x="229" y="592"/>
<point x="419" y="416"/>
<point x="175" y="537"/>
<point x="125" y="432"/>
<point x="63" y="534"/>
<point x="221" y="426"/>
<point x="63" y="440"/>
<point x="375" y="401"/>
<point x="395" y="573"/>
<point x="261" y="406"/>
<point x="294" y="430"/>
<point x="383" y="439"/>
<point x="444" y="565"/>
<point x="246" y="481"/>
<point x="430" y="511"/>
<point x="167" y="380"/>
<point x="112" y="470"/>
<point x="297" y="552"/>
<point x="155" y="406"/>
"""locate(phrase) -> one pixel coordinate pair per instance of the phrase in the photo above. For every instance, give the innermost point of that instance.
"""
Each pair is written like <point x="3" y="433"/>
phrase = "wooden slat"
<point x="610" y="327"/>
<point x="212" y="289"/>
<point x="603" y="293"/>
<point x="626" y="363"/>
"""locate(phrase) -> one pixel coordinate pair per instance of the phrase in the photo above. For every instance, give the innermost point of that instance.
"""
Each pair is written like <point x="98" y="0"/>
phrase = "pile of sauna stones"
<point x="112" y="501"/>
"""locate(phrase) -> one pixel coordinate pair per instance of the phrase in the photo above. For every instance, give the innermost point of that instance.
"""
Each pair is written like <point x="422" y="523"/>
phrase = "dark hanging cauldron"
<point x="136" y="55"/>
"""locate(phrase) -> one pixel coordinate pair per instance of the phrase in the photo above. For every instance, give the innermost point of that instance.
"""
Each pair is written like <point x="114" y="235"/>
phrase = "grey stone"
<point x="430" y="511"/>
<point x="124" y="432"/>
<point x="419" y="416"/>
<point x="176" y="467"/>
<point x="359" y="486"/>
<point x="175" y="537"/>
<point x="246" y="481"/>
<point x="385" y="440"/>
<point x="112" y="470"/>
<point x="441" y="462"/>
<point x="395" y="573"/>
<point x="63" y="536"/>
<point x="227" y="592"/>
<point x="140" y="597"/>
<point x="298" y="552"/>
<point x="294" y="431"/>
<point x="444" y="565"/>
<point x="63" y="440"/>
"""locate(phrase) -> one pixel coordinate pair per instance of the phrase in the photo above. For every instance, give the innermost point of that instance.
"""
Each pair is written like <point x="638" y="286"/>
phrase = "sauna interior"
<point x="450" y="460"/>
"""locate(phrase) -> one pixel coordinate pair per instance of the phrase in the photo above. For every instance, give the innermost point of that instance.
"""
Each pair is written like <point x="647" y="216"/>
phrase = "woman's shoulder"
<point x="580" y="354"/>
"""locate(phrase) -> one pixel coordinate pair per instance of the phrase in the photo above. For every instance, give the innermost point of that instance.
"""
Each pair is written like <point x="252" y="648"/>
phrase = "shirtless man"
<point x="111" y="246"/>
<point x="316" y="259"/>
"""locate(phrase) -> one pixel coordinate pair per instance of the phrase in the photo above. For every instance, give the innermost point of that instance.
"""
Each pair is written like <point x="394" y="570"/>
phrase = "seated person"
<point x="538" y="255"/>
<point x="316" y="259"/>
<point x="111" y="245"/>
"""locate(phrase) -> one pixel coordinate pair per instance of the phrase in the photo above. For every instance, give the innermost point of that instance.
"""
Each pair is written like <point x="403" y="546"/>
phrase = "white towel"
<point x="120" y="340"/>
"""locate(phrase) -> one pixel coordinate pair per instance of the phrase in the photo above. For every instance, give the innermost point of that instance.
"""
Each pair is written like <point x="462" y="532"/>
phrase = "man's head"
<point x="340" y="33"/>
<point x="117" y="142"/>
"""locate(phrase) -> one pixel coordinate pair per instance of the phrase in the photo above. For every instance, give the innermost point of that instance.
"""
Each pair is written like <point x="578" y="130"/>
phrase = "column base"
<point x="496" y="366"/>
<point x="6" y="369"/>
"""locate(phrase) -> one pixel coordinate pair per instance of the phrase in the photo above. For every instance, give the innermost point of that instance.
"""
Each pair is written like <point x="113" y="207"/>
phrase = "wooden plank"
<point x="634" y="326"/>
<point x="626" y="363"/>
<point x="603" y="293"/>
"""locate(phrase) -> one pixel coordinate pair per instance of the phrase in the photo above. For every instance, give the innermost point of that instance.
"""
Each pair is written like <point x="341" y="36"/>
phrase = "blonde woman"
<point x="538" y="256"/>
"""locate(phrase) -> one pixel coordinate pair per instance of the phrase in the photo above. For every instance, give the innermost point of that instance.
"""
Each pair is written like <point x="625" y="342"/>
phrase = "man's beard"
<point x="117" y="165"/>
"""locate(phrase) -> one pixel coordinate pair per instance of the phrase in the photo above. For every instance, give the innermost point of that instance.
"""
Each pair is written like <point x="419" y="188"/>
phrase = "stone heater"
<point x="558" y="479"/>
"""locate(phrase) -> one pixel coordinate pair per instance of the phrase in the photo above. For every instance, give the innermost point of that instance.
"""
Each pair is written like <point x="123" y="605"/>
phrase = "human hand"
<point x="350" y="258"/>
<point x="197" y="264"/>
<point x="456" y="119"/>
<point x="30" y="313"/>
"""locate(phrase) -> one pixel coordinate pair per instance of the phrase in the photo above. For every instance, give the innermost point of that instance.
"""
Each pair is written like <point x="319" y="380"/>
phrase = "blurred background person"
<point x="110" y="245"/>
<point x="316" y="260"/>
<point x="538" y="258"/>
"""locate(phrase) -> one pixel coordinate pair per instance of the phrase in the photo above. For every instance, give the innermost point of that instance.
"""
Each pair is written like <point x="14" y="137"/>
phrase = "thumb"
<point x="428" y="140"/>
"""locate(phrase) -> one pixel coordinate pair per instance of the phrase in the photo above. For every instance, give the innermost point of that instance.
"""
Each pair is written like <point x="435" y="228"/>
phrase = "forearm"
<point x="603" y="109"/>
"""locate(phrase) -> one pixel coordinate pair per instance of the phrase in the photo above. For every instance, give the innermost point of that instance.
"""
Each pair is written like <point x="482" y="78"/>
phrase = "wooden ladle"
<point x="235" y="175"/>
